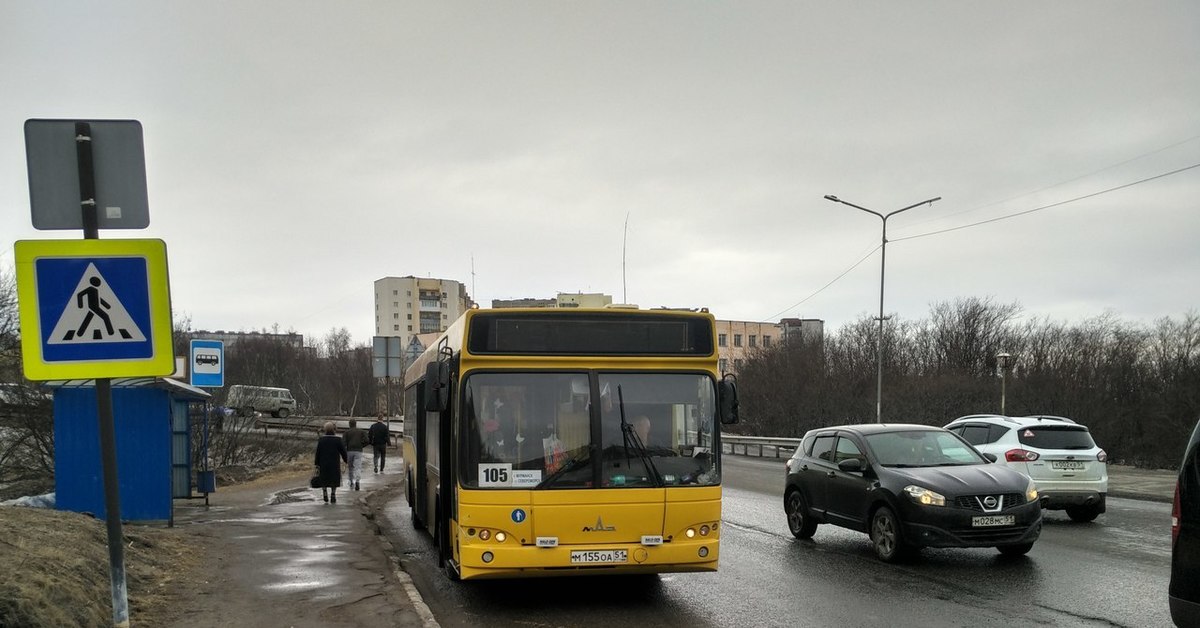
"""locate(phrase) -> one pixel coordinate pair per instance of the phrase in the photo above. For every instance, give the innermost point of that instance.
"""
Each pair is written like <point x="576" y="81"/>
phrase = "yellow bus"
<point x="543" y="442"/>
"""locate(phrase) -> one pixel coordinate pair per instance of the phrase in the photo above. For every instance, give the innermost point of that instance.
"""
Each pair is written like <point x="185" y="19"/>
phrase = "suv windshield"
<point x="1056" y="437"/>
<point x="922" y="448"/>
<point x="542" y="430"/>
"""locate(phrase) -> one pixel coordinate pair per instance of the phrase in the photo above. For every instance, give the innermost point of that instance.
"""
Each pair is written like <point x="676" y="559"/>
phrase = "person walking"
<point x="380" y="439"/>
<point x="355" y="440"/>
<point x="330" y="455"/>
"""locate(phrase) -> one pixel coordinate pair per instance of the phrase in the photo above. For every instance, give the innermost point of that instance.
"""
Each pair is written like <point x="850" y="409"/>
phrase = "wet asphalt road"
<point x="1112" y="572"/>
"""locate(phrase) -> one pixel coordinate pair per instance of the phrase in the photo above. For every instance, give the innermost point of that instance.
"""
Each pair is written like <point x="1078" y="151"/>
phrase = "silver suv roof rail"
<point x="1050" y="417"/>
<point x="1000" y="417"/>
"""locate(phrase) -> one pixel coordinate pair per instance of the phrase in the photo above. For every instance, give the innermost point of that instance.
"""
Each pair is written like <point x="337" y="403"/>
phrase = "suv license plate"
<point x="1074" y="465"/>
<point x="599" y="556"/>
<point x="997" y="520"/>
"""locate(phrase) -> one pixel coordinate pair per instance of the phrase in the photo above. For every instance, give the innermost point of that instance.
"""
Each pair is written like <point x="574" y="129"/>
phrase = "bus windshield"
<point x="588" y="430"/>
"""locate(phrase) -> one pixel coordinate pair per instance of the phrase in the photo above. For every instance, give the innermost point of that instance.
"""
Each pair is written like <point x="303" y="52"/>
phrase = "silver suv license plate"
<point x="599" y="556"/>
<point x="995" y="520"/>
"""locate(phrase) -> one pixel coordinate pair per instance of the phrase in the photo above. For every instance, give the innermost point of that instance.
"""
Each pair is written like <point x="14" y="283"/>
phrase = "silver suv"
<point x="1057" y="453"/>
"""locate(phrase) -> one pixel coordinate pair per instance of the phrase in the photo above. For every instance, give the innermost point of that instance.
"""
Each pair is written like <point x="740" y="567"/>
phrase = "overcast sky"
<point x="298" y="151"/>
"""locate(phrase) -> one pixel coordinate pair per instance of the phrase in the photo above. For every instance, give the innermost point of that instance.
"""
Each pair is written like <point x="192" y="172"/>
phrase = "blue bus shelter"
<point x="154" y="458"/>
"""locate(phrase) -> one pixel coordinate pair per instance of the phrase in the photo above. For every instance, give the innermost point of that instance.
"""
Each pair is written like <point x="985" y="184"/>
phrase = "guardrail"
<point x="315" y="423"/>
<point x="778" y="447"/>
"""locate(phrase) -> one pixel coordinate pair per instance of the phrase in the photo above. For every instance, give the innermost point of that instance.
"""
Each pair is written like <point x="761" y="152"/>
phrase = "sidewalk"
<point x="285" y="558"/>
<point x="1148" y="484"/>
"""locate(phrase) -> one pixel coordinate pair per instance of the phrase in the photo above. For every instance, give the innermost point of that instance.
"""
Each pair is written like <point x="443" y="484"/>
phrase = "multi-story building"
<point x="564" y="299"/>
<point x="409" y="306"/>
<point x="736" y="340"/>
<point x="231" y="338"/>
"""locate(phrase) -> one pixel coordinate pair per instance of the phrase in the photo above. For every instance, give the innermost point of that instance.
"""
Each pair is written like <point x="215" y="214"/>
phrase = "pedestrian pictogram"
<point x="95" y="315"/>
<point x="94" y="308"/>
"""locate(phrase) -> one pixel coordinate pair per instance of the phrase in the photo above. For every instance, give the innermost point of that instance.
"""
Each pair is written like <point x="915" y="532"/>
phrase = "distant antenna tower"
<point x="624" y="239"/>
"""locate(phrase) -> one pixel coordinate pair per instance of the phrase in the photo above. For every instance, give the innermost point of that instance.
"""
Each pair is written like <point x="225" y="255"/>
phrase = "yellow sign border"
<point x="162" y="360"/>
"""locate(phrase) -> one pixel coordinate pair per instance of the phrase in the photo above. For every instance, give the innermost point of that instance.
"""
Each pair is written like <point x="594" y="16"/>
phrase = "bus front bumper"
<point x="512" y="560"/>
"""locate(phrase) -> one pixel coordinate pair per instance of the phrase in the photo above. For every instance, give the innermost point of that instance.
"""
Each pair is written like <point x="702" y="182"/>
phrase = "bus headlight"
<point x="485" y="534"/>
<point x="500" y="536"/>
<point x="691" y="533"/>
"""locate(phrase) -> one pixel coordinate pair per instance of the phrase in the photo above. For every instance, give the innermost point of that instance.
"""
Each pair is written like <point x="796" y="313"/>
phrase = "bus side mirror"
<point x="727" y="400"/>
<point x="437" y="386"/>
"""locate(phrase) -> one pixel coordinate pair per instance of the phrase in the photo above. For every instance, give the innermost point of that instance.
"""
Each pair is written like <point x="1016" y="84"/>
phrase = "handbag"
<point x="315" y="480"/>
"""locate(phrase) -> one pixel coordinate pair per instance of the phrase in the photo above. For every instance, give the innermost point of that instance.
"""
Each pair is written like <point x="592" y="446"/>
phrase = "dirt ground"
<point x="56" y="570"/>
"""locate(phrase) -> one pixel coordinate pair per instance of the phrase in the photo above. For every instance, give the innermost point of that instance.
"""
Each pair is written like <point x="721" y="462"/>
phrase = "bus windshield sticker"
<point x="495" y="474"/>
<point x="528" y="478"/>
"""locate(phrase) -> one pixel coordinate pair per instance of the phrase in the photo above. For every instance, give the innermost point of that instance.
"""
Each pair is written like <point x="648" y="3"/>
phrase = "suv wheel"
<point x="886" y="537"/>
<point x="1083" y="514"/>
<point x="799" y="522"/>
<point x="1015" y="550"/>
<point x="283" y="413"/>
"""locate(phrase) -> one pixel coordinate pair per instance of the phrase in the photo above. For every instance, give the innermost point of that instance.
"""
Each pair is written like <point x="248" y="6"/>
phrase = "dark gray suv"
<point x="908" y="486"/>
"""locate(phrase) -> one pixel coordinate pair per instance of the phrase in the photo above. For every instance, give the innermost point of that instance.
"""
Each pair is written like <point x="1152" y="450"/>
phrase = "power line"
<point x="982" y="222"/>
<point x="1050" y="187"/>
<point x="834" y="280"/>
<point x="1038" y="209"/>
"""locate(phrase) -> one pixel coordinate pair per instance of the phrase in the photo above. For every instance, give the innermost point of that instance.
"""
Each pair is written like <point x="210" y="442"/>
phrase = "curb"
<point x="406" y="582"/>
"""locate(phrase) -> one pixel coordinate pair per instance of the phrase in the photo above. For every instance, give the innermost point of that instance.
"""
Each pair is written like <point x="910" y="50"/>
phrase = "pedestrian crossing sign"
<point x="94" y="308"/>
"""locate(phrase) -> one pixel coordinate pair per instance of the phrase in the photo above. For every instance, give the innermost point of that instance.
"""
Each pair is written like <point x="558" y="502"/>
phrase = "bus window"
<point x="671" y="415"/>
<point x="522" y="427"/>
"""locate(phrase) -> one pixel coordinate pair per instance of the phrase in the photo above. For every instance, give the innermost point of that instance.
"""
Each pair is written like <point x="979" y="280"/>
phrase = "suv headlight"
<point x="924" y="496"/>
<point x="1031" y="493"/>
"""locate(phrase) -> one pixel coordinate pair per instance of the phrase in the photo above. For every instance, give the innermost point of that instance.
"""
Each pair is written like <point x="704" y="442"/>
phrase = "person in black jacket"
<point x="330" y="455"/>
<point x="380" y="438"/>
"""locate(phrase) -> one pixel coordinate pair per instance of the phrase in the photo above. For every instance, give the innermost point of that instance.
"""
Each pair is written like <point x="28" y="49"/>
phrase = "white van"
<point x="248" y="399"/>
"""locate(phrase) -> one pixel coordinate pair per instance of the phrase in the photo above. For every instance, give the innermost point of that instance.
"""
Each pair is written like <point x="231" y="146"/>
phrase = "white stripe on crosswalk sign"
<point x="94" y="314"/>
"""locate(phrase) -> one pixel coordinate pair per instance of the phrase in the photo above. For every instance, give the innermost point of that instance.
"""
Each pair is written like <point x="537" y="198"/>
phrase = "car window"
<point x="847" y="450"/>
<point x="921" y="448"/>
<point x="1056" y="437"/>
<point x="996" y="432"/>
<point x="823" y="447"/>
<point x="975" y="434"/>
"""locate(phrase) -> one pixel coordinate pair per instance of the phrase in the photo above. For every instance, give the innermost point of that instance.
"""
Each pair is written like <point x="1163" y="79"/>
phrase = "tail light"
<point x="1020" y="455"/>
<point x="1175" y="517"/>
<point x="1102" y="457"/>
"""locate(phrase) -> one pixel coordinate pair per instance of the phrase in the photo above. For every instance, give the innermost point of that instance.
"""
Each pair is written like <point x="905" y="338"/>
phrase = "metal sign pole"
<point x="104" y="407"/>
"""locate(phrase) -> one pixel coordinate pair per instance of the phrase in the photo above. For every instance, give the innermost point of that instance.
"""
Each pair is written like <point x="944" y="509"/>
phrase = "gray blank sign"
<point x="119" y="165"/>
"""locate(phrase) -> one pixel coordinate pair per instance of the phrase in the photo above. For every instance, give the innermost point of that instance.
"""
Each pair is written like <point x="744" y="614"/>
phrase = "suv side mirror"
<point x="437" y="386"/>
<point x="727" y="400"/>
<point x="851" y="465"/>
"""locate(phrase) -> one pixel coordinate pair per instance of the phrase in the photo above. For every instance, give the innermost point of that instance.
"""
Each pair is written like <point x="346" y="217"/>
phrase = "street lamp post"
<point x="1003" y="360"/>
<point x="882" y="267"/>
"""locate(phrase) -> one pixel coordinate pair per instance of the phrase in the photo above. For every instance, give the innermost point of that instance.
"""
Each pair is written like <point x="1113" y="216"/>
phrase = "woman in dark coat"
<point x="329" y="468"/>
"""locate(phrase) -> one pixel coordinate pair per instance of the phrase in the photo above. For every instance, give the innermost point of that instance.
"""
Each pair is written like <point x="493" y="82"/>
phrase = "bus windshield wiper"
<point x="631" y="436"/>
<point x="569" y="465"/>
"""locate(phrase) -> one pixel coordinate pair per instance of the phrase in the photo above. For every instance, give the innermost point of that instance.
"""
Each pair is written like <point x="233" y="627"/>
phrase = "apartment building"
<point x="409" y="306"/>
<point x="231" y="338"/>
<point x="737" y="340"/>
<point x="563" y="299"/>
